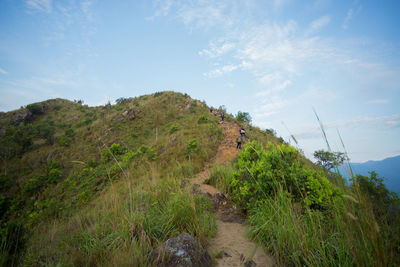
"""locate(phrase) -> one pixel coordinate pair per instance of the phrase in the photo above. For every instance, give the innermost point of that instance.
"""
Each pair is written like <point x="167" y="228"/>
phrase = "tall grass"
<point x="123" y="228"/>
<point x="342" y="232"/>
<point x="108" y="206"/>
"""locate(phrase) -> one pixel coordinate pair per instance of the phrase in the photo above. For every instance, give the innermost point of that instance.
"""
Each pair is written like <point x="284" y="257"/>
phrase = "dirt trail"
<point x="230" y="238"/>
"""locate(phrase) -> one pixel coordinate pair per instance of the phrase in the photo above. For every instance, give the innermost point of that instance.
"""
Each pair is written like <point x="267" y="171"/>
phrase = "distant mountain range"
<point x="388" y="169"/>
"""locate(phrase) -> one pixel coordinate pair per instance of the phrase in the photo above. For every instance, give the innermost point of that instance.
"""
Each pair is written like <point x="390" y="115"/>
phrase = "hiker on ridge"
<point x="222" y="116"/>
<point x="242" y="132"/>
<point x="239" y="142"/>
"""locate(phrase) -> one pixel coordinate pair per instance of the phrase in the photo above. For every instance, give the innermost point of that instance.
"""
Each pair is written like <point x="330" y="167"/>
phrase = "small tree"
<point x="121" y="100"/>
<point x="243" y="116"/>
<point x="36" y="109"/>
<point x="329" y="160"/>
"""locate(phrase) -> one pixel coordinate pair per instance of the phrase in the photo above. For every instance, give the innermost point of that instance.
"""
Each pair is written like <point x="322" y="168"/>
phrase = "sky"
<point x="277" y="60"/>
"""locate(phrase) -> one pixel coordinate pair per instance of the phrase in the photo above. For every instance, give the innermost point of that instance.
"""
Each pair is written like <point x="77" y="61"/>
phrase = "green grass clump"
<point x="124" y="227"/>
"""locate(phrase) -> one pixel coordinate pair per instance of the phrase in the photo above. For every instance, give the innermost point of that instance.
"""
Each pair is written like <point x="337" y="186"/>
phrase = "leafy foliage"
<point x="243" y="117"/>
<point x="329" y="160"/>
<point x="260" y="173"/>
<point x="122" y="100"/>
<point x="36" y="109"/>
<point x="191" y="148"/>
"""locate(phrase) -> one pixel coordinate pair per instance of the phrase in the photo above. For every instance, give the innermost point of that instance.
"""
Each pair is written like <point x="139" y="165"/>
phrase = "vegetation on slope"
<point x="58" y="162"/>
<point x="104" y="186"/>
<point x="303" y="219"/>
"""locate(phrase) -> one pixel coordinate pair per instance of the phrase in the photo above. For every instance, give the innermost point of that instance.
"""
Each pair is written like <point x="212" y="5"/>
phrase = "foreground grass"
<point x="342" y="230"/>
<point x="123" y="227"/>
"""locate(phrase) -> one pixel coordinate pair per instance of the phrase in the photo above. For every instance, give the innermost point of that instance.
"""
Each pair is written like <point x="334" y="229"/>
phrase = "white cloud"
<point x="40" y="5"/>
<point x="279" y="87"/>
<point x="350" y="15"/>
<point x="279" y="3"/>
<point x="220" y="71"/>
<point x="163" y="9"/>
<point x="198" y="13"/>
<point x="318" y="24"/>
<point x="378" y="101"/>
<point x="2" y="71"/>
<point x="215" y="51"/>
<point x="271" y="106"/>
<point x="347" y="19"/>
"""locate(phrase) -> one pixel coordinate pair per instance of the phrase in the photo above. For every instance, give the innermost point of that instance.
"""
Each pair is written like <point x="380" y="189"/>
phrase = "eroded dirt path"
<point x="235" y="248"/>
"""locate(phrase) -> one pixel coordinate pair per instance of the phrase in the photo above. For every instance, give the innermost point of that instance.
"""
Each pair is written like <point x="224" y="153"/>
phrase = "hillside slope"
<point x="388" y="169"/>
<point x="105" y="186"/>
<point x="60" y="157"/>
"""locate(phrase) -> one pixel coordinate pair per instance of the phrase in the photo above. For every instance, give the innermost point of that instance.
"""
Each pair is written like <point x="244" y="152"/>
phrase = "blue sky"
<point x="274" y="59"/>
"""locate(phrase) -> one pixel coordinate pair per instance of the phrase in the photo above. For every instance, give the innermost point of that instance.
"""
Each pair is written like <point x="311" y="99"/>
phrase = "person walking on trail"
<point x="239" y="142"/>
<point x="242" y="132"/>
<point x="211" y="109"/>
<point x="222" y="116"/>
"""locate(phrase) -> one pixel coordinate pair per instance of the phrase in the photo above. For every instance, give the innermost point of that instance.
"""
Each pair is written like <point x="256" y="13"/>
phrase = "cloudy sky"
<point x="275" y="59"/>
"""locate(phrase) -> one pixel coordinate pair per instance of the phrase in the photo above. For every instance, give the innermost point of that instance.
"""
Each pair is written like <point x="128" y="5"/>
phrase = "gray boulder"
<point x="183" y="250"/>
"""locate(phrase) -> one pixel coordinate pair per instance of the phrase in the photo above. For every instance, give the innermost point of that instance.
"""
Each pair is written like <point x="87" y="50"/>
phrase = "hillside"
<point x="388" y="168"/>
<point x="107" y="185"/>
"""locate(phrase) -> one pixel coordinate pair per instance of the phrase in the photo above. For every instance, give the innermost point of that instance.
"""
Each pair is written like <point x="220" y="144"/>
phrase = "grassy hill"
<point x="105" y="185"/>
<point x="60" y="161"/>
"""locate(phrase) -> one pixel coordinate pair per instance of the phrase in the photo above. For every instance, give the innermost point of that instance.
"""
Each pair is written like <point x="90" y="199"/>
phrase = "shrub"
<point x="54" y="175"/>
<point x="192" y="107"/>
<point x="69" y="132"/>
<point x="54" y="164"/>
<point x="270" y="131"/>
<point x="116" y="149"/>
<point x="86" y="121"/>
<point x="122" y="100"/>
<point x="64" y="141"/>
<point x="202" y="119"/>
<point x="5" y="182"/>
<point x="36" y="109"/>
<point x="191" y="147"/>
<point x="260" y="173"/>
<point x="157" y="94"/>
<point x="93" y="163"/>
<point x="46" y="130"/>
<point x="34" y="184"/>
<point x="174" y="128"/>
<point x="243" y="116"/>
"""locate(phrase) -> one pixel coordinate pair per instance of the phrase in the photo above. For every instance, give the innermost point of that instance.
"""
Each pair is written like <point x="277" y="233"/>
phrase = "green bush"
<point x="122" y="100"/>
<point x="191" y="147"/>
<point x="116" y="149"/>
<point x="46" y="130"/>
<point x="174" y="128"/>
<point x="243" y="116"/>
<point x="157" y="94"/>
<point x="54" y="164"/>
<point x="202" y="119"/>
<point x="69" y="132"/>
<point x="54" y="175"/>
<point x="86" y="121"/>
<point x="36" y="109"/>
<point x="5" y="182"/>
<point x="65" y="141"/>
<point x="34" y="185"/>
<point x="260" y="173"/>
